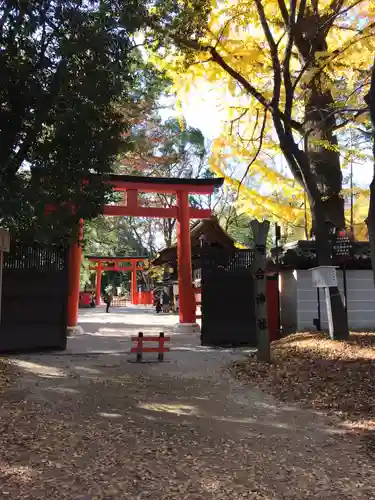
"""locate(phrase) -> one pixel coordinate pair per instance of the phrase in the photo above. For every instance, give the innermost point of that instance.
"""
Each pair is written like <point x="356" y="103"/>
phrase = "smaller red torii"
<point x="103" y="264"/>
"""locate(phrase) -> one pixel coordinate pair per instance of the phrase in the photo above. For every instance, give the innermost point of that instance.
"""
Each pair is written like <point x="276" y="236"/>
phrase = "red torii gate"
<point x="131" y="186"/>
<point x="103" y="264"/>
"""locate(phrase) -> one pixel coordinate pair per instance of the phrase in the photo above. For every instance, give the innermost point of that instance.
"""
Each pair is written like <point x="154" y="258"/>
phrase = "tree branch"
<point x="42" y="113"/>
<point x="284" y="12"/>
<point x="336" y="6"/>
<point x="288" y="85"/>
<point x="237" y="119"/>
<point x="260" y="145"/>
<point x="369" y="97"/>
<point x="250" y="88"/>
<point x="301" y="11"/>
<point x="345" y="122"/>
<point x="274" y="56"/>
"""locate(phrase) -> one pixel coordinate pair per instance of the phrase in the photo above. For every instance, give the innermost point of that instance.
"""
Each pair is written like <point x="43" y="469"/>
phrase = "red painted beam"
<point x="116" y="259"/>
<point x="150" y="349"/>
<point x="119" y="269"/>
<point x="151" y="338"/>
<point x="116" y="210"/>
<point x="145" y="187"/>
<point x="200" y="213"/>
<point x="155" y="212"/>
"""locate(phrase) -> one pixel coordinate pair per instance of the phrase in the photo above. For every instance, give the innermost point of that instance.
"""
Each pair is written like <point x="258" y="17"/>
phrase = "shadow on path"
<point x="84" y="426"/>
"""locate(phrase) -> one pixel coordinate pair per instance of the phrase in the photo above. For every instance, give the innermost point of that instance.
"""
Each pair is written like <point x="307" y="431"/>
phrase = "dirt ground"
<point x="92" y="424"/>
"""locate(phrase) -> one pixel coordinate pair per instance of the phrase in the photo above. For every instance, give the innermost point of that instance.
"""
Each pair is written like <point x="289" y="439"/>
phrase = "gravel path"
<point x="89" y="424"/>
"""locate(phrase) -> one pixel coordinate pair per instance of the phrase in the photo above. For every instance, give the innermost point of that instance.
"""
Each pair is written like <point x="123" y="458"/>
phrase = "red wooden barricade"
<point x="140" y="349"/>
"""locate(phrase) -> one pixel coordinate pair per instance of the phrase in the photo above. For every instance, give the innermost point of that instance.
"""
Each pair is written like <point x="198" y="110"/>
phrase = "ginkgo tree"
<point x="292" y="75"/>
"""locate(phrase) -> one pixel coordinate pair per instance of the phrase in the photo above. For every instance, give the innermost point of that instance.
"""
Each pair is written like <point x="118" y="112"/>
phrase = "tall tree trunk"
<point x="328" y="210"/>
<point x="320" y="120"/>
<point x="371" y="219"/>
<point x="370" y="100"/>
<point x="321" y="148"/>
<point x="324" y="258"/>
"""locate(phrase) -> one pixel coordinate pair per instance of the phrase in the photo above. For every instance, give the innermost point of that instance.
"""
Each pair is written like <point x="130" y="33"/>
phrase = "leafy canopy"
<point x="64" y="68"/>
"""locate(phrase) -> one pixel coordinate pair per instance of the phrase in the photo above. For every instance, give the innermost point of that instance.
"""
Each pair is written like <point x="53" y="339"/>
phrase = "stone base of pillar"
<point x="74" y="330"/>
<point x="186" y="328"/>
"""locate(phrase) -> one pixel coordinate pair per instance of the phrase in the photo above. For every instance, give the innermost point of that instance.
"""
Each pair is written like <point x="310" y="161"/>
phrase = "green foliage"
<point x="173" y="20"/>
<point x="111" y="236"/>
<point x="64" y="68"/>
<point x="237" y="225"/>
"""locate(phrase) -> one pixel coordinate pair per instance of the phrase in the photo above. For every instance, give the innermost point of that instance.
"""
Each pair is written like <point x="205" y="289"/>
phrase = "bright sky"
<point x="203" y="114"/>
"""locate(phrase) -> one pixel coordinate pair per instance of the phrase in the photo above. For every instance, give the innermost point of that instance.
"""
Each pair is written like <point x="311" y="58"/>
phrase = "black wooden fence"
<point x="228" y="312"/>
<point x="34" y="298"/>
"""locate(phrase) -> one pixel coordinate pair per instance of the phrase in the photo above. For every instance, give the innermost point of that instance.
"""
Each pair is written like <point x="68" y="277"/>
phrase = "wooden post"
<point x="140" y="346"/>
<point x="98" y="284"/>
<point x="134" y="293"/>
<point x="161" y="346"/>
<point x="260" y="232"/>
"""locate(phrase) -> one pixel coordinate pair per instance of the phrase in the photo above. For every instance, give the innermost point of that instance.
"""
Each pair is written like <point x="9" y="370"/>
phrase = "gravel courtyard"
<point x="90" y="423"/>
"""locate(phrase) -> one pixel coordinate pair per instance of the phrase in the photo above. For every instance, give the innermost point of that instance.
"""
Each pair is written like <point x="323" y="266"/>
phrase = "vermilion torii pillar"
<point x="74" y="277"/>
<point x="102" y="264"/>
<point x="98" y="284"/>
<point x="182" y="188"/>
<point x="134" y="294"/>
<point x="185" y="273"/>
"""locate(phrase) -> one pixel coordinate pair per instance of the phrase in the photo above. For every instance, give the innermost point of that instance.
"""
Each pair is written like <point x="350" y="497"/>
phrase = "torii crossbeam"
<point x="132" y="186"/>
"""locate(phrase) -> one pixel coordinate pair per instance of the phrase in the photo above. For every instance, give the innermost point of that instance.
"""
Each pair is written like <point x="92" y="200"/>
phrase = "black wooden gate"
<point x="34" y="298"/>
<point x="228" y="312"/>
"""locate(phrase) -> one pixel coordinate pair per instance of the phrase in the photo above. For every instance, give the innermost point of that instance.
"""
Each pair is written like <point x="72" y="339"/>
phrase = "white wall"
<point x="307" y="301"/>
<point x="361" y="299"/>
<point x="360" y="296"/>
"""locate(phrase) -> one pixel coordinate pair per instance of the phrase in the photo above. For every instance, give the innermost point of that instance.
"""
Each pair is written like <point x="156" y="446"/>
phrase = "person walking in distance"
<point x="108" y="301"/>
<point x="166" y="300"/>
<point x="158" y="306"/>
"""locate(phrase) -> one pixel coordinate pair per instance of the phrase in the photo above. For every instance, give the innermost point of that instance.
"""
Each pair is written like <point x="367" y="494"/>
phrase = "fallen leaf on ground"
<point x="320" y="373"/>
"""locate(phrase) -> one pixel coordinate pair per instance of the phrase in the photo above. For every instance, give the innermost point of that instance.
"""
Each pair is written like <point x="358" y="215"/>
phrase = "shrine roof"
<point x="215" y="181"/>
<point x="214" y="235"/>
<point x="302" y="255"/>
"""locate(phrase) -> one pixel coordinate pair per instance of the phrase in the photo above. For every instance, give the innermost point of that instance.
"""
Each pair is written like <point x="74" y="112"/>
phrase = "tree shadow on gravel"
<point x="325" y="375"/>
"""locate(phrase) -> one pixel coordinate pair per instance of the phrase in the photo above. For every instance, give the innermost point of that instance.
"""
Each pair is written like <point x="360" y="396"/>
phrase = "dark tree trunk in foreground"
<point x="370" y="100"/>
<point x="371" y="221"/>
<point x="324" y="258"/>
<point x="327" y="205"/>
